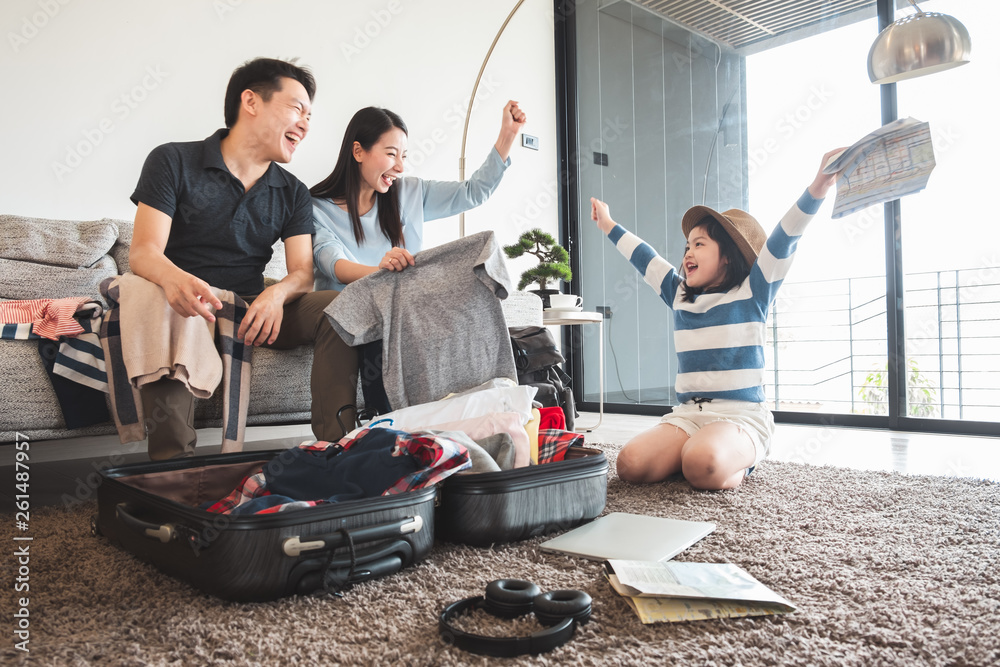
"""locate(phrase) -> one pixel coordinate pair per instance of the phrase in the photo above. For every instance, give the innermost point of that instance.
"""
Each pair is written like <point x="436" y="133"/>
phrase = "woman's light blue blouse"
<point x="419" y="200"/>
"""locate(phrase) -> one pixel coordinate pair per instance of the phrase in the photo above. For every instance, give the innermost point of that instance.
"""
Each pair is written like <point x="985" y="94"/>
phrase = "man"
<point x="209" y="213"/>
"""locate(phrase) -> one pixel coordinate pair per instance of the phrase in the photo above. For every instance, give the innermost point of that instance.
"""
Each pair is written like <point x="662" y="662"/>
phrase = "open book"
<point x="893" y="161"/>
<point x="670" y="591"/>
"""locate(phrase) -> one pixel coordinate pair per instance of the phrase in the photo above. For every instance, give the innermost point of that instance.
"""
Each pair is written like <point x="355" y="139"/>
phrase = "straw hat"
<point x="746" y="232"/>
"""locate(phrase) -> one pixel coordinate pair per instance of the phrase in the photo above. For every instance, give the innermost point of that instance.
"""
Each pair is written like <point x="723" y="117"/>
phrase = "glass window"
<point x="951" y="259"/>
<point x="827" y="333"/>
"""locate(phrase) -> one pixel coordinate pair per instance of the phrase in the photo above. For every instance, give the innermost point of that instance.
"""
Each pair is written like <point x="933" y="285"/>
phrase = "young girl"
<point x="368" y="216"/>
<point x="727" y="282"/>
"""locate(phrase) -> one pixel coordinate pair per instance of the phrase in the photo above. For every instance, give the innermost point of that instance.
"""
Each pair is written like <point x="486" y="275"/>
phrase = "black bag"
<point x="537" y="360"/>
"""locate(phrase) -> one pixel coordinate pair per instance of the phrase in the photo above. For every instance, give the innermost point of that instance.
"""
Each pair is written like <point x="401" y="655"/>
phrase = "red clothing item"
<point x="49" y="318"/>
<point x="552" y="418"/>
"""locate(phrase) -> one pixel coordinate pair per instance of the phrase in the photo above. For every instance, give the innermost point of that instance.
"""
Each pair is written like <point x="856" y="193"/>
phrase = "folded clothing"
<point x="376" y="462"/>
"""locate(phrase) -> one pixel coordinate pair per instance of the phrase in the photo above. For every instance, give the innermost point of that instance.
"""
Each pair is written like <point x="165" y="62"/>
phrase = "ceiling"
<point x="753" y="25"/>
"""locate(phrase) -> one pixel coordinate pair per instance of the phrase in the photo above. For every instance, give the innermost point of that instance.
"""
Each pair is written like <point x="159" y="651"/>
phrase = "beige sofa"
<point x="41" y="259"/>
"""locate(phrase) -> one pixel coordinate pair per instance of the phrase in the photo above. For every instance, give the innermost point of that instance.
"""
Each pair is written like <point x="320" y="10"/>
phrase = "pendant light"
<point x="923" y="43"/>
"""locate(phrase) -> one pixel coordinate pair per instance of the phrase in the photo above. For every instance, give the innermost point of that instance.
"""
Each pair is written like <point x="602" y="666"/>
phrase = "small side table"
<point x="577" y="318"/>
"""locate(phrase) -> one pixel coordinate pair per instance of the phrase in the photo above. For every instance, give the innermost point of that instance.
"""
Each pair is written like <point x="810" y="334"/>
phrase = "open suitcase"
<point x="151" y="510"/>
<point x="494" y="507"/>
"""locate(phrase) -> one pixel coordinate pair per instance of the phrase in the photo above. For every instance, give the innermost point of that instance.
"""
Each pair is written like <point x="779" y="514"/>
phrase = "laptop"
<point x="629" y="537"/>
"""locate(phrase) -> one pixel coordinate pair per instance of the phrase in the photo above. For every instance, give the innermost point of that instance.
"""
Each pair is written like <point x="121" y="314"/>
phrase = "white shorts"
<point x="754" y="419"/>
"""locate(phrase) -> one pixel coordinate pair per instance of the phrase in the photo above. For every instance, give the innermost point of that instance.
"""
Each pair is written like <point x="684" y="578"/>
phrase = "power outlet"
<point x="605" y="310"/>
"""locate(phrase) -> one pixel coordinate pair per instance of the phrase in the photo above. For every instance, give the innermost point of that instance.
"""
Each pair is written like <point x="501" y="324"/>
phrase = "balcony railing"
<point x="826" y="348"/>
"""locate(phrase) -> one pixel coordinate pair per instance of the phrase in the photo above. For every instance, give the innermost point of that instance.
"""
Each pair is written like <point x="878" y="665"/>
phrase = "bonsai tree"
<point x="553" y="260"/>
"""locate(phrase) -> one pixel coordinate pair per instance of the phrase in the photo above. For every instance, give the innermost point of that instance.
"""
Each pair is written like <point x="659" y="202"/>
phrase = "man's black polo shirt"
<point x="218" y="232"/>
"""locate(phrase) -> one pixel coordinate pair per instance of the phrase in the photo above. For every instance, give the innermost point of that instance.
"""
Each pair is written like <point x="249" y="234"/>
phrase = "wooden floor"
<point x="62" y="470"/>
<point x="864" y="449"/>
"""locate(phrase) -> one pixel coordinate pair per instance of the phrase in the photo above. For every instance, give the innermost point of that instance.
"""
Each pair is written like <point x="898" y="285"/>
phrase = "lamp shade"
<point x="923" y="43"/>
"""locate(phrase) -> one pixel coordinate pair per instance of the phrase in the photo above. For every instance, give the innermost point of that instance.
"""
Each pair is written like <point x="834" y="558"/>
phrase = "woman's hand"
<point x="818" y="188"/>
<point x="510" y="124"/>
<point x="513" y="118"/>
<point x="396" y="259"/>
<point x="601" y="214"/>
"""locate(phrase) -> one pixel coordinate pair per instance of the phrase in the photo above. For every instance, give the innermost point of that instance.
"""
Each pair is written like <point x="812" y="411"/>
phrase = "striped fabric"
<point x="50" y="318"/>
<point x="18" y="332"/>
<point x="126" y="406"/>
<point x="720" y="337"/>
<point x="81" y="358"/>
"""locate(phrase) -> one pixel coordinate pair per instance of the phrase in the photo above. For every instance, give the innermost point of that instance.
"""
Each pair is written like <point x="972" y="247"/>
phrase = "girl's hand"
<point x="396" y="259"/>
<point x="601" y="214"/>
<point x="823" y="182"/>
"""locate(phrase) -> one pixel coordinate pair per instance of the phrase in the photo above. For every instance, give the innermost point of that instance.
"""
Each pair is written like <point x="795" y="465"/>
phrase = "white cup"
<point x="565" y="301"/>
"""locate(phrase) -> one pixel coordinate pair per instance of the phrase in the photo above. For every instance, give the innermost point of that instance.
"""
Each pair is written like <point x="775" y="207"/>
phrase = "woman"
<point x="369" y="217"/>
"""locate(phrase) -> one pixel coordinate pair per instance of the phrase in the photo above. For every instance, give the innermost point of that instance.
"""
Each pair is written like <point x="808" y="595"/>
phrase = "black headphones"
<point x="559" y="611"/>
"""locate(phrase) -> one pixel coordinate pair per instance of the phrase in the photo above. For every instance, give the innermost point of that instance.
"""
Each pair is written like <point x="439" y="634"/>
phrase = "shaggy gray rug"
<point x="885" y="569"/>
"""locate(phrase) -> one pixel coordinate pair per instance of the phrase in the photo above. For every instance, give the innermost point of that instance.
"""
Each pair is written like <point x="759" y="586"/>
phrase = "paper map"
<point x="671" y="591"/>
<point x="891" y="162"/>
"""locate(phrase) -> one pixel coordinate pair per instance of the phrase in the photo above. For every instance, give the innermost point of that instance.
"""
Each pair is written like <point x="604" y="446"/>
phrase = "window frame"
<point x="570" y="230"/>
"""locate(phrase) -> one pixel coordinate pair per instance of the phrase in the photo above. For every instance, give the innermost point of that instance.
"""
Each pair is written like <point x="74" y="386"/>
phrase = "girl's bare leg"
<point x="653" y="455"/>
<point x="717" y="456"/>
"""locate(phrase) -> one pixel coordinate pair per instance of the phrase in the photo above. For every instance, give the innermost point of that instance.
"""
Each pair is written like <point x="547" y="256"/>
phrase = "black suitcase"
<point x="151" y="510"/>
<point x="494" y="507"/>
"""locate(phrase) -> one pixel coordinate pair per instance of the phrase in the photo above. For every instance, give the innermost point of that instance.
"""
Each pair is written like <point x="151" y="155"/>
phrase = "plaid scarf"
<point x="553" y="443"/>
<point x="126" y="406"/>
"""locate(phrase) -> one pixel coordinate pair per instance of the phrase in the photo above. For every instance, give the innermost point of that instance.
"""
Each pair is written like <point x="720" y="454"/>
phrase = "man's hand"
<point x="187" y="295"/>
<point x="190" y="296"/>
<point x="262" y="323"/>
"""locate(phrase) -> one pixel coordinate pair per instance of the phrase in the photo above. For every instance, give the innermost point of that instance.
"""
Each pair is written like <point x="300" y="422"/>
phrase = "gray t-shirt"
<point x="440" y="321"/>
<point x="219" y="232"/>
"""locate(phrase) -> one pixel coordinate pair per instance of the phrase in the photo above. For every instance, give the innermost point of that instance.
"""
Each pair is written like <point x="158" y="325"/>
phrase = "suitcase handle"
<point x="372" y="557"/>
<point x="162" y="532"/>
<point x="340" y="573"/>
<point x="294" y="546"/>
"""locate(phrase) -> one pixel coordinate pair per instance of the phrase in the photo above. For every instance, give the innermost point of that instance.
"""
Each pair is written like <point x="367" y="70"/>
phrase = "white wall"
<point x="91" y="86"/>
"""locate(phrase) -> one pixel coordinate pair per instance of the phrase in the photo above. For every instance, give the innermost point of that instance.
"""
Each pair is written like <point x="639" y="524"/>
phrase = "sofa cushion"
<point x="63" y="243"/>
<point x="121" y="247"/>
<point x="28" y="280"/>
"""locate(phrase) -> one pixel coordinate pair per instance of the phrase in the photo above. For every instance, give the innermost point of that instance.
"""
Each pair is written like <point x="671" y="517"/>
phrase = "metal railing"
<point x="826" y="348"/>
